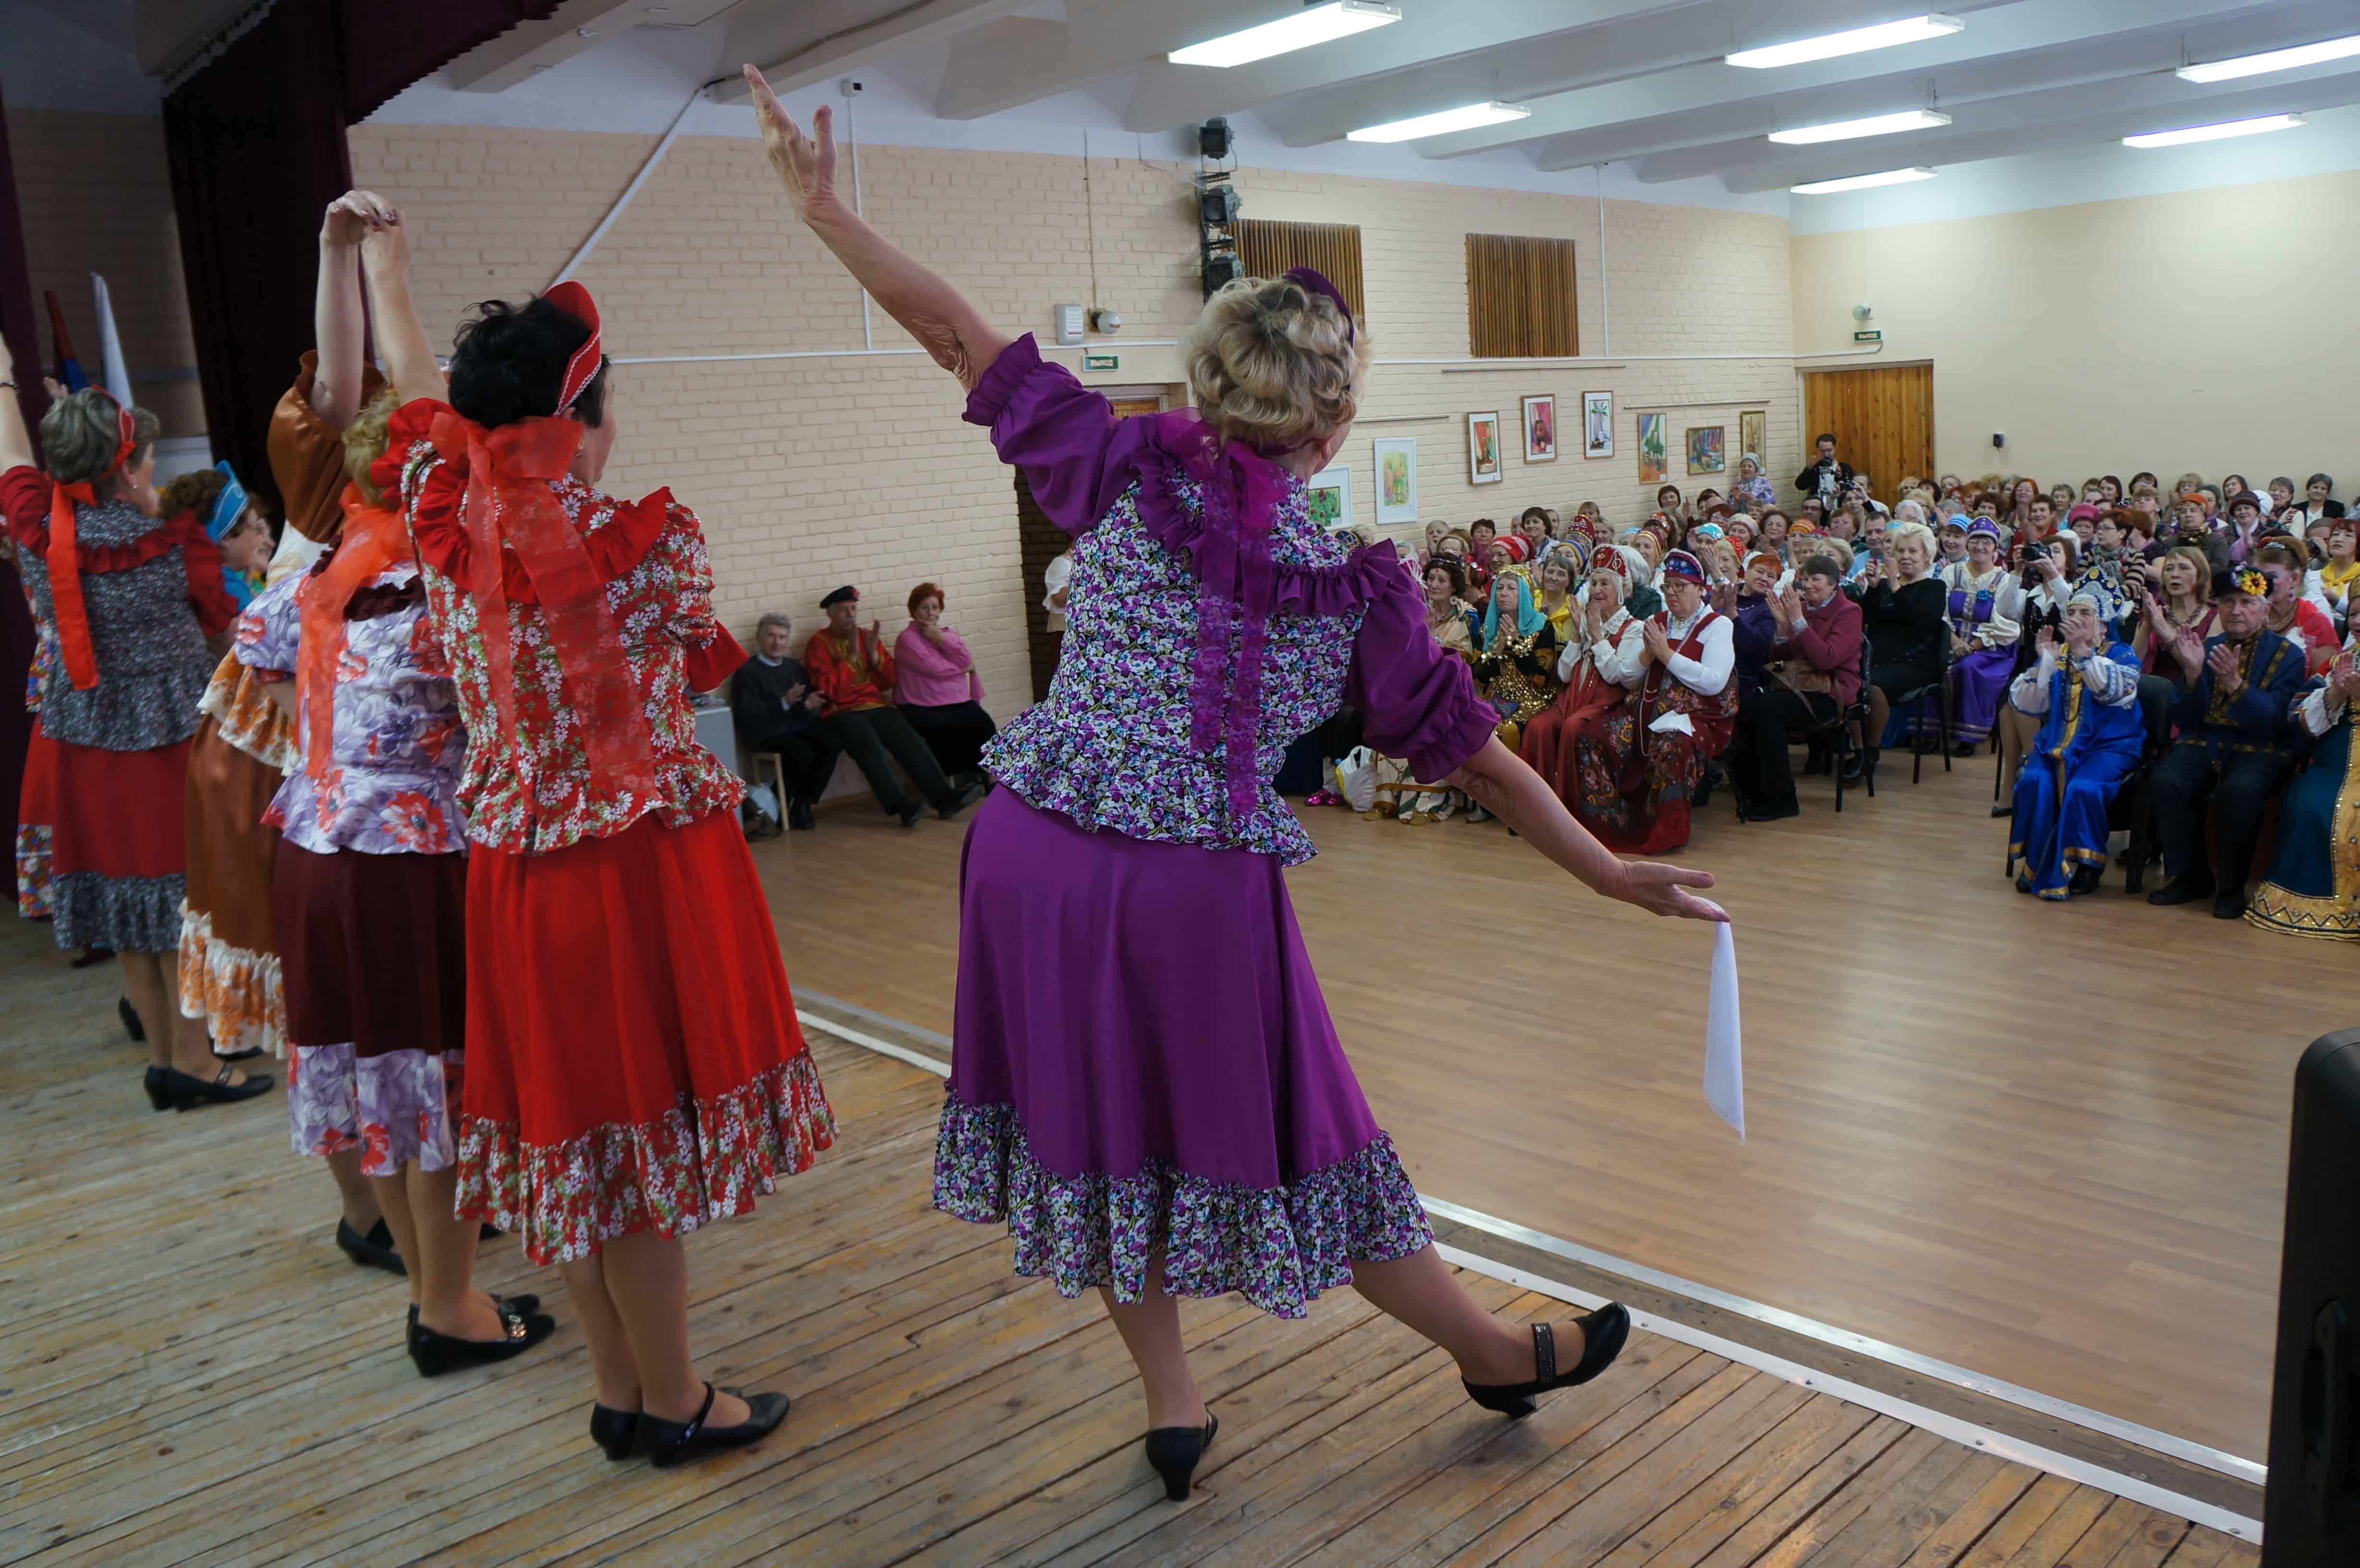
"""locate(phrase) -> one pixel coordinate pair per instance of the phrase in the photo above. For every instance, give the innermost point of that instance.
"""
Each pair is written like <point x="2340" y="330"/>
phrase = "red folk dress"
<point x="633" y="1060"/>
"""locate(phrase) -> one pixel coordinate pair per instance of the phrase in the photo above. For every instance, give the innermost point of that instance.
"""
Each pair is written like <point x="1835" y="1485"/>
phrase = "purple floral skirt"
<point x="1142" y="1060"/>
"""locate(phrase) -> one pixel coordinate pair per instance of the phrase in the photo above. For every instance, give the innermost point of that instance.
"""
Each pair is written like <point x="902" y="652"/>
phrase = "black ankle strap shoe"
<point x="616" y="1431"/>
<point x="671" y="1442"/>
<point x="1604" y="1335"/>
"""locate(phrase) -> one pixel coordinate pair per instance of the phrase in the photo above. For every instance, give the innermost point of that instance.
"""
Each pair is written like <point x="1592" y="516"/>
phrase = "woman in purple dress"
<point x="1146" y="1087"/>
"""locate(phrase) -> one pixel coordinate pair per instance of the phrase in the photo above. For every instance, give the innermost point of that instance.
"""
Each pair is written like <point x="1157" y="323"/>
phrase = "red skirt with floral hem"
<point x="633" y="1060"/>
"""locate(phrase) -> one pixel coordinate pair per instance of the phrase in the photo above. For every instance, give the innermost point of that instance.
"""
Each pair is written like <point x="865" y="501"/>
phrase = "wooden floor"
<point x="2045" y="1142"/>
<point x="193" y="1375"/>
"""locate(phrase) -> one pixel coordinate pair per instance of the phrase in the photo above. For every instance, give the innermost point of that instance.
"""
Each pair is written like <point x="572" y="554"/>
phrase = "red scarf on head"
<point x="66" y="607"/>
<point x="507" y="502"/>
<point x="374" y="537"/>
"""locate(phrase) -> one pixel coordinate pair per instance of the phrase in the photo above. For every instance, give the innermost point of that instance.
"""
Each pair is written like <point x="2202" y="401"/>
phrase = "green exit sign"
<point x="1101" y="361"/>
<point x="1868" y="337"/>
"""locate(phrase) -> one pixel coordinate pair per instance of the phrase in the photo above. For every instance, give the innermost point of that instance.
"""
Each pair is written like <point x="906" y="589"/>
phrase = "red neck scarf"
<point x="507" y="502"/>
<point x="65" y="566"/>
<point x="374" y="537"/>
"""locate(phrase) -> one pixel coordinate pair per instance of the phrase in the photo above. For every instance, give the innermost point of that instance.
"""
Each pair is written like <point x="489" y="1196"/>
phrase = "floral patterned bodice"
<point x="531" y="791"/>
<point x="396" y="745"/>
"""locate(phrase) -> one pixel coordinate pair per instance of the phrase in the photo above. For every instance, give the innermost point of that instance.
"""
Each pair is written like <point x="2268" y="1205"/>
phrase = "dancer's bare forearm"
<point x="1497" y="779"/>
<point x="409" y="362"/>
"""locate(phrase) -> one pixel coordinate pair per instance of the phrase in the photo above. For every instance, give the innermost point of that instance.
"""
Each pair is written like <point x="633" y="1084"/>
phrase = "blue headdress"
<point x="1528" y="619"/>
<point x="228" y="508"/>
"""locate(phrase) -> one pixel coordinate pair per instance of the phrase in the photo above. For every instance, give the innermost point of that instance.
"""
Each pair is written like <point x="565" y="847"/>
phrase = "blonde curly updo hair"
<point x="1272" y="365"/>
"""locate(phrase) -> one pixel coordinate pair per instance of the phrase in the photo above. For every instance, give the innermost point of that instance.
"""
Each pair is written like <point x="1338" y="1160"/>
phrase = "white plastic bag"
<point x="1356" y="778"/>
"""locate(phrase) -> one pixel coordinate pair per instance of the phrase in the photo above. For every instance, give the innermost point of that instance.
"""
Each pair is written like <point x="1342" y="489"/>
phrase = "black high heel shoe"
<point x="616" y="1431"/>
<point x="131" y="1024"/>
<point x="1173" y="1451"/>
<point x="434" y="1354"/>
<point x="186" y="1089"/>
<point x="159" y="1094"/>
<point x="669" y="1443"/>
<point x="1603" y="1333"/>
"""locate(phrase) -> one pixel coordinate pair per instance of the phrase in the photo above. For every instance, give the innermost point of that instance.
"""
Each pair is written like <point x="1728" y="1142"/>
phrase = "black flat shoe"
<point x="2185" y="890"/>
<point x="488" y="1232"/>
<point x="507" y="1306"/>
<point x="2229" y="904"/>
<point x="1173" y="1451"/>
<point x="158" y="1094"/>
<point x="2004" y="809"/>
<point x="434" y="1354"/>
<point x="616" y="1431"/>
<point x="671" y="1442"/>
<point x="249" y="1054"/>
<point x="910" y="811"/>
<point x="373" y="1250"/>
<point x="131" y="1024"/>
<point x="1603" y="1333"/>
<point x="188" y="1090"/>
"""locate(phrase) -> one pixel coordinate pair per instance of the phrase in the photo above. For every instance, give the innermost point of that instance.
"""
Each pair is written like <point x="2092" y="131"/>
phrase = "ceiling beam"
<point x="1661" y="101"/>
<point x="530" y="48"/>
<point x="801" y="43"/>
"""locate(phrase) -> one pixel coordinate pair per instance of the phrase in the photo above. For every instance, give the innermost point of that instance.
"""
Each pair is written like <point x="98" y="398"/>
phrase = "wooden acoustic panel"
<point x="1267" y="248"/>
<point x="1520" y="297"/>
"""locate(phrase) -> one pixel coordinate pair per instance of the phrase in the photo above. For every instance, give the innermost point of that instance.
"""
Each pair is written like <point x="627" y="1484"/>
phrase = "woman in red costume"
<point x="634" y="1070"/>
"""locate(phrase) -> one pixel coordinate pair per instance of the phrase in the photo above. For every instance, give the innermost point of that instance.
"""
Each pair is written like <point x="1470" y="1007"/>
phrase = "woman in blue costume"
<point x="2089" y="742"/>
<point x="2314" y="883"/>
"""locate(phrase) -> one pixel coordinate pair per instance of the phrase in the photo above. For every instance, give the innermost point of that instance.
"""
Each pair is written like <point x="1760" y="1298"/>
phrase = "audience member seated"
<point x="775" y="710"/>
<point x="854" y="672"/>
<point x="1983" y="637"/>
<point x="1901" y="612"/>
<point x="2290" y="616"/>
<point x="2086" y="693"/>
<point x="2172" y="625"/>
<point x="939" y="691"/>
<point x="2340" y="572"/>
<point x="1639" y="769"/>
<point x="1594" y="669"/>
<point x="1558" y="578"/>
<point x="1517" y="665"/>
<point x="2037" y="594"/>
<point x="1798" y="652"/>
<point x="2233" y="752"/>
<point x="2245" y="526"/>
<point x="1454" y="625"/>
<point x="2314" y="888"/>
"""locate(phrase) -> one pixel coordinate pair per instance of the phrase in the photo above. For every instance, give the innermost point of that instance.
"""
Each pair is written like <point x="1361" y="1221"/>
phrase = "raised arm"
<point x="338" y="324"/>
<point x="16" y="442"/>
<point x="945" y="323"/>
<point x="409" y="362"/>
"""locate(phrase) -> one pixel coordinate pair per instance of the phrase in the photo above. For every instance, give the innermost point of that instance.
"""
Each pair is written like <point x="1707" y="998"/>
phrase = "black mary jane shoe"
<point x="616" y="1431"/>
<point x="249" y="1054"/>
<point x="1603" y="1333"/>
<point x="1175" y="1451"/>
<point x="374" y="1250"/>
<point x="186" y="1090"/>
<point x="159" y="1094"/>
<point x="131" y="1024"/>
<point x="434" y="1354"/>
<point x="670" y="1442"/>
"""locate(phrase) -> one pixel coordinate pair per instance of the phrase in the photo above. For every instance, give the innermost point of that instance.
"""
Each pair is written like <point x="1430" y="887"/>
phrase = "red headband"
<point x="575" y="300"/>
<point x="66" y="609"/>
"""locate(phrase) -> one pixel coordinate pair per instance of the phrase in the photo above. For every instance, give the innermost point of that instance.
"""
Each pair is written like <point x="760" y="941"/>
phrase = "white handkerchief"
<point x="1724" y="1067"/>
<point x="1673" y="724"/>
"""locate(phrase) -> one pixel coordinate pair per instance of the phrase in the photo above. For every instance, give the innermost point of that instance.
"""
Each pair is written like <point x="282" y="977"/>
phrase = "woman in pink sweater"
<point x="939" y="691"/>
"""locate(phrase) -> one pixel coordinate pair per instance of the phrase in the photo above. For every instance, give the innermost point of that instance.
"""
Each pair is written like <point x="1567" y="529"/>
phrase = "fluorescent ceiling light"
<point x="1312" y="25"/>
<point x="1465" y="118"/>
<point x="2214" y="133"/>
<point x="1875" y="126"/>
<point x="1861" y="181"/>
<point x="1827" y="46"/>
<point x="2275" y="60"/>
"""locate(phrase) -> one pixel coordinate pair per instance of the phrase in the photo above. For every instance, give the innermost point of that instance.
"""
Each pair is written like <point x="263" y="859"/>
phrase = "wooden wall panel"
<point x="1883" y="418"/>
<point x="1267" y="249"/>
<point x="1520" y="297"/>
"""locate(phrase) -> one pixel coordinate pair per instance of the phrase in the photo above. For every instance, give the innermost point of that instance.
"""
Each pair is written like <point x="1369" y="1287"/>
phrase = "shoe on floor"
<point x="910" y="811"/>
<point x="2230" y="903"/>
<point x="2183" y="890"/>
<point x="1773" y="814"/>
<point x="799" y="818"/>
<point x="373" y="1250"/>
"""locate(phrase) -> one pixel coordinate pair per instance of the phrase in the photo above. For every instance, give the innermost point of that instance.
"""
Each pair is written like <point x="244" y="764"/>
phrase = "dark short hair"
<point x="2319" y="479"/>
<point x="1451" y="567"/>
<point x="1822" y="566"/>
<point x="923" y="592"/>
<point x="1823" y="436"/>
<point x="1481" y="523"/>
<point x="1529" y="513"/>
<point x="508" y="363"/>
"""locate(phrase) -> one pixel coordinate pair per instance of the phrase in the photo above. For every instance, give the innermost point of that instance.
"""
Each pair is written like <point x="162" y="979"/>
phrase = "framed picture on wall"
<point x="1331" y="496"/>
<point x="1707" y="449"/>
<point x="1396" y="480"/>
<point x="1653" y="459"/>
<point x="1540" y="428"/>
<point x="1483" y="465"/>
<point x="1752" y="433"/>
<point x="1598" y="424"/>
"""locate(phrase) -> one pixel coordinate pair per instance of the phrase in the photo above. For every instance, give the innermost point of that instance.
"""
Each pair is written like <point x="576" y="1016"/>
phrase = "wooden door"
<point x="1041" y="542"/>
<point x="1883" y="418"/>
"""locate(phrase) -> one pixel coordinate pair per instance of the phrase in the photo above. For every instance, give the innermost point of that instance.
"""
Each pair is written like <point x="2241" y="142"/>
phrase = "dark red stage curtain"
<point x="257" y="142"/>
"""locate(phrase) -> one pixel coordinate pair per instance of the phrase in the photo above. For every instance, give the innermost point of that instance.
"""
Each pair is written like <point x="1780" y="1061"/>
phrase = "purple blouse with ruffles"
<point x="1209" y="624"/>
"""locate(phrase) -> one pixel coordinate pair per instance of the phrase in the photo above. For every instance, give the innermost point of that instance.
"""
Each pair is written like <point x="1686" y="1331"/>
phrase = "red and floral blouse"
<point x="532" y="792"/>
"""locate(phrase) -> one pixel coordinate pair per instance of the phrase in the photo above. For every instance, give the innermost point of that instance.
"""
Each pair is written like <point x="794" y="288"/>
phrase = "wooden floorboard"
<point x="194" y="1375"/>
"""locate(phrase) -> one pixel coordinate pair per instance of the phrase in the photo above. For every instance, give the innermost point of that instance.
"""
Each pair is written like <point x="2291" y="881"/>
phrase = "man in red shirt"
<point x="852" y="670"/>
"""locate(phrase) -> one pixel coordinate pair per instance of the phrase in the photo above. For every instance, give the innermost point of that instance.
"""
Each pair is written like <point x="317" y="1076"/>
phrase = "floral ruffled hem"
<point x="239" y="993"/>
<point x="703" y="1161"/>
<point x="1278" y="1247"/>
<point x="123" y="914"/>
<point x="36" y="893"/>
<point x="397" y="1108"/>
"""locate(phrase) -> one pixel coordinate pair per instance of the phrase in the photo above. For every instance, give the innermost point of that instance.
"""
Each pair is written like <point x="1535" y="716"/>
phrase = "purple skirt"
<point x="1142" y="1060"/>
<point x="1979" y="685"/>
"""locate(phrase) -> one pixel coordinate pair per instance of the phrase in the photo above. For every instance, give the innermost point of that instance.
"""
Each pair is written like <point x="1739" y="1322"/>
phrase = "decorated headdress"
<point x="575" y="300"/>
<point x="1616" y="559"/>
<point x="2250" y="579"/>
<point x="1513" y="544"/>
<point x="1683" y="565"/>
<point x="1529" y="620"/>
<point x="228" y="506"/>
<point x="1706" y="531"/>
<point x="1982" y="527"/>
<point x="1311" y="278"/>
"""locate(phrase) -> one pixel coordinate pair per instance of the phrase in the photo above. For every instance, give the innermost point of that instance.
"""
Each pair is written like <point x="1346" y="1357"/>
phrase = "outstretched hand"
<point x="806" y="165"/>
<point x="1663" y="890"/>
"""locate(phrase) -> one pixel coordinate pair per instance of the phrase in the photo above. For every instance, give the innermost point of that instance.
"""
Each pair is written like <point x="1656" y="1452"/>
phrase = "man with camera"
<point x="2086" y="693"/>
<point x="1826" y="479"/>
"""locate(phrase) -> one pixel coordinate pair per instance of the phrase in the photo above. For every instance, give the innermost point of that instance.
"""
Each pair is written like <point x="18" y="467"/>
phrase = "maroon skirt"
<point x="374" y="949"/>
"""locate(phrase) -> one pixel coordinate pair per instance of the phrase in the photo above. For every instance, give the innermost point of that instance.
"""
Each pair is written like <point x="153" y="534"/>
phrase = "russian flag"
<point x="69" y="371"/>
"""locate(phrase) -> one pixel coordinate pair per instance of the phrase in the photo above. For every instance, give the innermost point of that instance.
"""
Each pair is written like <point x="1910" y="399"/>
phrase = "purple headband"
<point x="1311" y="278"/>
<point x="1681" y="563"/>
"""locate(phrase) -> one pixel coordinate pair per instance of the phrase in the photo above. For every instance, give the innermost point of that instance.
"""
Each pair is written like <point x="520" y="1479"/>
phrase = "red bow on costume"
<point x="65" y="566"/>
<point x="374" y="537"/>
<point x="507" y="501"/>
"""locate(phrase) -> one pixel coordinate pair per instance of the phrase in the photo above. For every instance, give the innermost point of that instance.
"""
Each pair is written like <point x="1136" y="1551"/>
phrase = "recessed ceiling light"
<point x="1856" y="40"/>
<point x="1875" y="126"/>
<point x="2214" y="133"/>
<point x="2275" y="60"/>
<point x="1861" y="181"/>
<point x="1320" y="24"/>
<point x="1465" y="118"/>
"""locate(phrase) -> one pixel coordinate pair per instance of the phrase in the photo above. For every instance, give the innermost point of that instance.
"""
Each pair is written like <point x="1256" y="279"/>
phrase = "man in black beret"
<point x="852" y="670"/>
